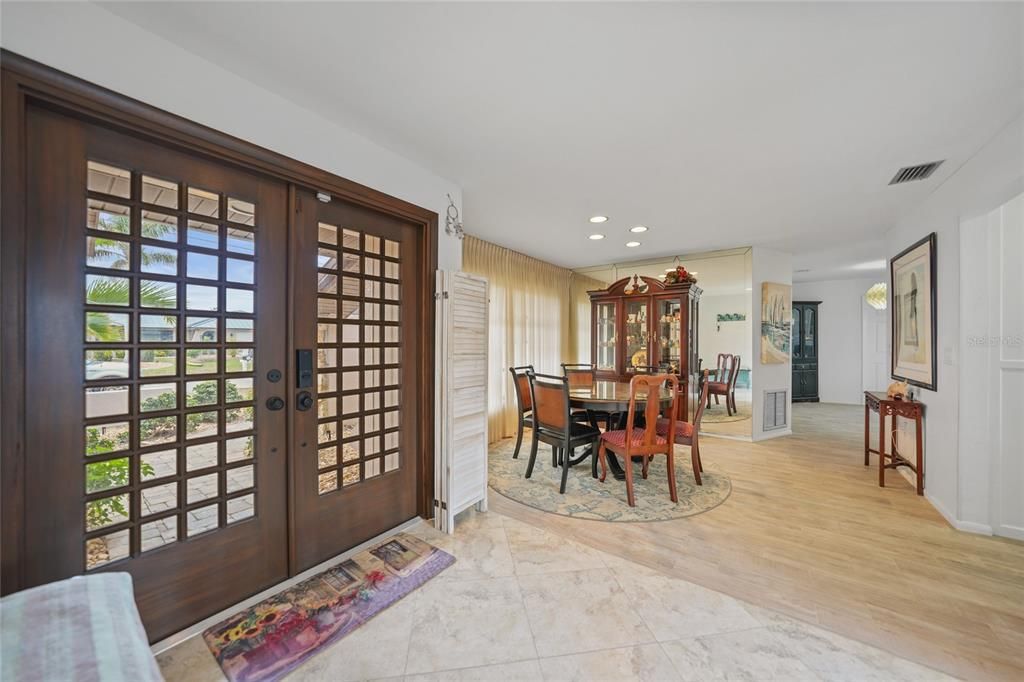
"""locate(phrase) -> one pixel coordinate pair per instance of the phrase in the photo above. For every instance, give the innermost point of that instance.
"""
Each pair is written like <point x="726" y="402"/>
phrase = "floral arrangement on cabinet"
<point x="678" y="276"/>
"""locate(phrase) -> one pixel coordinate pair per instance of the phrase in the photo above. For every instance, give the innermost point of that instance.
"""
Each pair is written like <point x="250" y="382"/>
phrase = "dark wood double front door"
<point x="220" y="373"/>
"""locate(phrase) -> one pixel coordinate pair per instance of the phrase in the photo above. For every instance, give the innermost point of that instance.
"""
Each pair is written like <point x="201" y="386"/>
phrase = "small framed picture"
<point x="912" y="320"/>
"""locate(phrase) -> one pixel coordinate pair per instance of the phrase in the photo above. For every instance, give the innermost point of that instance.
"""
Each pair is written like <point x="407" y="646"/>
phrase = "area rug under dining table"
<point x="587" y="498"/>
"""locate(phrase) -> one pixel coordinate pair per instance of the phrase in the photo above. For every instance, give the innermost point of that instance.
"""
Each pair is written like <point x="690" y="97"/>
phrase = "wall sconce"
<point x="876" y="296"/>
<point x="452" y="224"/>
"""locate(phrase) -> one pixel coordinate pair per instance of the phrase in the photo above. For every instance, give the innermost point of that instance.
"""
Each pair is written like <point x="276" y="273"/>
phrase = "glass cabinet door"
<point x="796" y="332"/>
<point x="605" y="333"/>
<point x="635" y="328"/>
<point x="809" y="322"/>
<point x="669" y="335"/>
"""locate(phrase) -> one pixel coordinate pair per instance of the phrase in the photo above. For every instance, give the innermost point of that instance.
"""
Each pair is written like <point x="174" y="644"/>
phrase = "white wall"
<point x="768" y="266"/>
<point x="86" y="41"/>
<point x="991" y="436"/>
<point x="840" y="336"/>
<point x="989" y="179"/>
<point x="724" y="337"/>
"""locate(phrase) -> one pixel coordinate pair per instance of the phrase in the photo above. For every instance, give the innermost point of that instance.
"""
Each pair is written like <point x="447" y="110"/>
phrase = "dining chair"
<point x="686" y="433"/>
<point x="554" y="426"/>
<point x="583" y="375"/>
<point x="579" y="375"/>
<point x="524" y="403"/>
<point x="725" y="381"/>
<point x="644" y="443"/>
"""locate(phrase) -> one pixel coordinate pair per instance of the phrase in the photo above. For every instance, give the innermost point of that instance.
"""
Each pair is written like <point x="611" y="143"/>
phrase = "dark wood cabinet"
<point x="643" y="322"/>
<point x="805" y="351"/>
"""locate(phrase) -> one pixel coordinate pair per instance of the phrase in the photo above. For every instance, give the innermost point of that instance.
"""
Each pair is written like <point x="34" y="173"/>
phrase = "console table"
<point x="885" y="407"/>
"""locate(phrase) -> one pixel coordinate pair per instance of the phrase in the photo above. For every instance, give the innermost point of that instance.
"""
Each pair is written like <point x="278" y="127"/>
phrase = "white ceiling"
<point x="717" y="125"/>
<point x="857" y="260"/>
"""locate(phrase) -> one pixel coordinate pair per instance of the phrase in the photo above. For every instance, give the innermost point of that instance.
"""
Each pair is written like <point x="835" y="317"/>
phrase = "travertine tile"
<point x="537" y="551"/>
<point x="677" y="609"/>
<point x="628" y="664"/>
<point x="481" y="553"/>
<point x="576" y="611"/>
<point x="467" y="623"/>
<point x="755" y="655"/>
<point x="837" y="658"/>
<point x="191" y="660"/>
<point x="519" y="671"/>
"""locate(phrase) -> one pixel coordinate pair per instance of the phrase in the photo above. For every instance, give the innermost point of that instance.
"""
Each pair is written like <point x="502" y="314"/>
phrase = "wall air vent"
<point x="775" y="403"/>
<point x="911" y="173"/>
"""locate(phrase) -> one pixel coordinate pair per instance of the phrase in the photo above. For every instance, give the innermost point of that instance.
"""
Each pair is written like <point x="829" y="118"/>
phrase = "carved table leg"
<point x="881" y="447"/>
<point x="920" y="459"/>
<point x="867" y="432"/>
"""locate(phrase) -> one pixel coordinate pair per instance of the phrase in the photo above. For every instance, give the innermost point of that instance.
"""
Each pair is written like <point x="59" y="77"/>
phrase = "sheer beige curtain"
<point x="579" y="314"/>
<point x="529" y="321"/>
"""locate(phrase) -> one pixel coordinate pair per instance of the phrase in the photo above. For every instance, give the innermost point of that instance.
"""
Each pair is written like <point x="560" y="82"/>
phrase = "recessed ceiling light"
<point x="632" y="244"/>
<point x="599" y="219"/>
<point x="638" y="228"/>
<point x="595" y="237"/>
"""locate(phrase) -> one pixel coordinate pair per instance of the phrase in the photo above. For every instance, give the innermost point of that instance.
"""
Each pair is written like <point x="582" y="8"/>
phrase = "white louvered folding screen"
<point x="460" y="478"/>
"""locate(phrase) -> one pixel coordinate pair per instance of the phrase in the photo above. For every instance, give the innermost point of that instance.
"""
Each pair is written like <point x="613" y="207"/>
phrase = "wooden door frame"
<point x="24" y="82"/>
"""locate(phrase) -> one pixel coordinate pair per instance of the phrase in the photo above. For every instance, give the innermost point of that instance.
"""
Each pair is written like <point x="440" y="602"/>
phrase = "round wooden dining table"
<point x="610" y="397"/>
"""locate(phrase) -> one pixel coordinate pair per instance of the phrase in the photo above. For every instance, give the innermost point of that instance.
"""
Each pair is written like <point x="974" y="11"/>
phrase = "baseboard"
<point x="1012" y="532"/>
<point x="742" y="439"/>
<point x="965" y="526"/>
<point x="179" y="637"/>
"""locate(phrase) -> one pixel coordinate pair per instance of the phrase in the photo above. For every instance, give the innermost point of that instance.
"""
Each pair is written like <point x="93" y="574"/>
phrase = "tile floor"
<point x="523" y="604"/>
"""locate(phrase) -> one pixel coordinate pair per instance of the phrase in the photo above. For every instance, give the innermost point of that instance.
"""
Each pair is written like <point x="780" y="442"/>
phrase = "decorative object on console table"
<point x="805" y="351"/>
<point x="912" y="321"/>
<point x="775" y="323"/>
<point x="656" y="323"/>
<point x="893" y="408"/>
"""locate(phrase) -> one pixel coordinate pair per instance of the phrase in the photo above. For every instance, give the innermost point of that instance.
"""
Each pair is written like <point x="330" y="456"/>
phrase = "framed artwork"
<point x="913" y="303"/>
<point x="776" y="322"/>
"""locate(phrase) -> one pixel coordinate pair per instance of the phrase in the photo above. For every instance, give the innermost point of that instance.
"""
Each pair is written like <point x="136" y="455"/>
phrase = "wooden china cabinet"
<point x="644" y="322"/>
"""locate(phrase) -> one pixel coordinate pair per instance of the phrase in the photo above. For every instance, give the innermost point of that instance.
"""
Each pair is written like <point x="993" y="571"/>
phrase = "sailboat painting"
<point x="776" y="322"/>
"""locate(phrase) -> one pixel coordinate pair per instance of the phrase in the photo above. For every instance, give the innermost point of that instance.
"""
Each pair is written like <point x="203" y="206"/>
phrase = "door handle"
<point x="275" y="403"/>
<point x="304" y="368"/>
<point x="303" y="401"/>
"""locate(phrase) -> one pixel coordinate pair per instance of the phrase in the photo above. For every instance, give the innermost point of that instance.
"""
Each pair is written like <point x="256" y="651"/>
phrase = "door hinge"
<point x="440" y="504"/>
<point x="440" y="294"/>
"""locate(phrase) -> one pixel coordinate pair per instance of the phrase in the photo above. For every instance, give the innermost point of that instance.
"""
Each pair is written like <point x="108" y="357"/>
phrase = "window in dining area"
<point x="539" y="315"/>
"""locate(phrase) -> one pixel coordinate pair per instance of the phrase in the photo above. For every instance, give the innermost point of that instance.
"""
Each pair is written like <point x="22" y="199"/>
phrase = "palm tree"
<point x="118" y="253"/>
<point x="114" y="291"/>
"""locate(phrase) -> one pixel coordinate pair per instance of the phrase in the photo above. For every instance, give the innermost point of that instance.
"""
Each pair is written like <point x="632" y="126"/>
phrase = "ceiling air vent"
<point x="911" y="173"/>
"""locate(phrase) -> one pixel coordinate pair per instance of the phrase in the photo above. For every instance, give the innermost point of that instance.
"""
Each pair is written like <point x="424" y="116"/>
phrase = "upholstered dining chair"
<point x="553" y="425"/>
<point x="524" y="403"/>
<point x="686" y="433"/>
<point x="725" y="381"/>
<point x="644" y="443"/>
